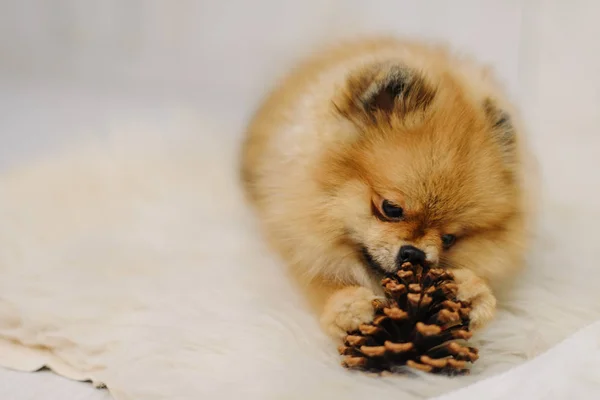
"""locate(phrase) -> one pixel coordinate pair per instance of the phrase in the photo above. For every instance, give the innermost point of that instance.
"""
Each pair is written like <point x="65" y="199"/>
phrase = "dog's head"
<point x="429" y="166"/>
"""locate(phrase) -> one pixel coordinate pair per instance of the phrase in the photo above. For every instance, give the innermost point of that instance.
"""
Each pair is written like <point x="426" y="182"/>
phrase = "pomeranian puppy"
<point x="380" y="151"/>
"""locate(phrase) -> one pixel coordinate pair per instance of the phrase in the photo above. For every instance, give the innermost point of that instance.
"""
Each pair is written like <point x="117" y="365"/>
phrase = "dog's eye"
<point x="391" y="211"/>
<point x="448" y="240"/>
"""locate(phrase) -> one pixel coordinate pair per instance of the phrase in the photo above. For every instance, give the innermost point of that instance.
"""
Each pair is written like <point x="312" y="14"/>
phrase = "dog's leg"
<point x="475" y="290"/>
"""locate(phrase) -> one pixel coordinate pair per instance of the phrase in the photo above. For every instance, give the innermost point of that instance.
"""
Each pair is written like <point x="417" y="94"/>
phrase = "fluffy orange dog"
<point x="380" y="151"/>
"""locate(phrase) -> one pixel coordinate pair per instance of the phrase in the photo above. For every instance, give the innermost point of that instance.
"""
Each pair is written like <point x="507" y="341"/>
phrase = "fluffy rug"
<point x="133" y="262"/>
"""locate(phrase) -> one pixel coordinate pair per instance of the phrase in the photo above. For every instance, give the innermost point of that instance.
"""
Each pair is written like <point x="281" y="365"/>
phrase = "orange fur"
<point x="387" y="119"/>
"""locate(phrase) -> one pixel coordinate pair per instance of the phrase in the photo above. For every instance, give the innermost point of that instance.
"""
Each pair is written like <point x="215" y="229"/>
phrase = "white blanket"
<point x="569" y="370"/>
<point x="133" y="262"/>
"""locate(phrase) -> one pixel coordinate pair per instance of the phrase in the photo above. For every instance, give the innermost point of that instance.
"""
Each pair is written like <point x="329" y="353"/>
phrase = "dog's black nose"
<point x="410" y="254"/>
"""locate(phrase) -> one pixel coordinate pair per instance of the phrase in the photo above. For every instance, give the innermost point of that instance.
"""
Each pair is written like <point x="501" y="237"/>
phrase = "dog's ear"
<point x="382" y="92"/>
<point x="503" y="129"/>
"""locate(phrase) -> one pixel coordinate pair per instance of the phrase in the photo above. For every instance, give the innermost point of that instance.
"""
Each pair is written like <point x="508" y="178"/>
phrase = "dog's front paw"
<point x="346" y="309"/>
<point x="476" y="291"/>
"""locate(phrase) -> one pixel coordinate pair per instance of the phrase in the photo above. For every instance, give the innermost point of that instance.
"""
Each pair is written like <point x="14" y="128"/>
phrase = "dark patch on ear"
<point x="504" y="134"/>
<point x="502" y="121"/>
<point x="385" y="99"/>
<point x="382" y="91"/>
<point x="501" y="124"/>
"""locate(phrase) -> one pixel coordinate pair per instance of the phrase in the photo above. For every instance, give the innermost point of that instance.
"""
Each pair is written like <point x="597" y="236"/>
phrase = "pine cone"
<point x="420" y="325"/>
